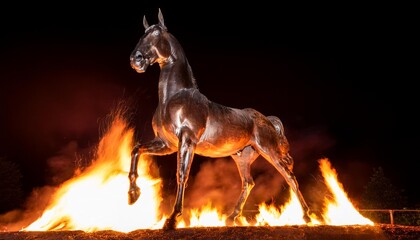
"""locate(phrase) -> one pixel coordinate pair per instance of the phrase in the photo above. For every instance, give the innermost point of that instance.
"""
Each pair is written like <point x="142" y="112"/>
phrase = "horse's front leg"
<point x="155" y="147"/>
<point x="186" y="148"/>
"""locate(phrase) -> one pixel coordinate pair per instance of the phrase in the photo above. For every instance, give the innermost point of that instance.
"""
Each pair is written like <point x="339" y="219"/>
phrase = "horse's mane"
<point x="180" y="51"/>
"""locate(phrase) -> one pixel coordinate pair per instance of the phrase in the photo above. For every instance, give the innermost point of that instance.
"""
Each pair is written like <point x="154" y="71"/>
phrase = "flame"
<point x="290" y="214"/>
<point x="206" y="216"/>
<point x="339" y="211"/>
<point x="97" y="200"/>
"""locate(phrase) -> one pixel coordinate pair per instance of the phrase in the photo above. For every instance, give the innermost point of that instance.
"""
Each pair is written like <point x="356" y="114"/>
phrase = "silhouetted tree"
<point x="11" y="193"/>
<point x="380" y="193"/>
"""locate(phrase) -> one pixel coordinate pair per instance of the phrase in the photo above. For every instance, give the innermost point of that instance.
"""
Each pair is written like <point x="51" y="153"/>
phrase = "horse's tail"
<point x="278" y="125"/>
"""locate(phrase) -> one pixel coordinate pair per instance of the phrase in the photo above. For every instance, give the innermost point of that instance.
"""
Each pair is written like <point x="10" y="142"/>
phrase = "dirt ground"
<point x="379" y="232"/>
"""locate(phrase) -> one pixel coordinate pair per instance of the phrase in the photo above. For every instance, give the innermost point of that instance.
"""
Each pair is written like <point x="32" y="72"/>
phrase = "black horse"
<point x="188" y="123"/>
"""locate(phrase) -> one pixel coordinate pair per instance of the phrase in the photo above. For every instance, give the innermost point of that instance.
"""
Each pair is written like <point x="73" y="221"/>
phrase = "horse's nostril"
<point x="138" y="55"/>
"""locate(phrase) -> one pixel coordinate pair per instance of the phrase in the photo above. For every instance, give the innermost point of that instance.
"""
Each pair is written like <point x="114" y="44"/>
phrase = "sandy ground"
<point x="379" y="232"/>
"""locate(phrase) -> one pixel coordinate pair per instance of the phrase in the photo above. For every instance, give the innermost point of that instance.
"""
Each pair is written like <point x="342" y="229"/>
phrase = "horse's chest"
<point x="165" y="130"/>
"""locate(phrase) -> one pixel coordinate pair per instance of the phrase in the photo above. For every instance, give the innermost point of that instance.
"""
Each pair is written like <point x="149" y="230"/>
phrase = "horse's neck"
<point x="175" y="75"/>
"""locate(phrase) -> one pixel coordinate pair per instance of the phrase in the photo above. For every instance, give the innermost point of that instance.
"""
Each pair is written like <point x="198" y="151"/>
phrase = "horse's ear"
<point x="161" y="21"/>
<point x="145" y="24"/>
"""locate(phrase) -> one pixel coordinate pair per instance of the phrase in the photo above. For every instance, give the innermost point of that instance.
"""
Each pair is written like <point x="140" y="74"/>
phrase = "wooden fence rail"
<point x="391" y="212"/>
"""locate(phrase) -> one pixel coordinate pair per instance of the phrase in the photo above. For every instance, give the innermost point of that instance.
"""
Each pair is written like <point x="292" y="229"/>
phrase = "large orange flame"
<point x="97" y="198"/>
<point x="340" y="210"/>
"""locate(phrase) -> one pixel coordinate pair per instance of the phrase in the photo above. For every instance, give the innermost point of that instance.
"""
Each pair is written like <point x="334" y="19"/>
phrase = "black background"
<point x="340" y="76"/>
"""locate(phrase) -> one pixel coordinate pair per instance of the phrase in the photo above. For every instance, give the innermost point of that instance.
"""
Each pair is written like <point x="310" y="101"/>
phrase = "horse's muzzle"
<point x="140" y="66"/>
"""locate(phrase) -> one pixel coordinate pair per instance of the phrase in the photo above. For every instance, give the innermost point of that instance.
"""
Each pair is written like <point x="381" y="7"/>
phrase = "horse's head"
<point x="152" y="47"/>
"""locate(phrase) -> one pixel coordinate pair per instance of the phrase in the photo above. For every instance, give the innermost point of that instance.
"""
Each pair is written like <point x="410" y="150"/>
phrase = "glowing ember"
<point x="97" y="198"/>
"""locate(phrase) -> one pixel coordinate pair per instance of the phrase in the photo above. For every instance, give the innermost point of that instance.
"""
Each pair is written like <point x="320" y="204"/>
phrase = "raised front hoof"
<point x="133" y="194"/>
<point x="170" y="224"/>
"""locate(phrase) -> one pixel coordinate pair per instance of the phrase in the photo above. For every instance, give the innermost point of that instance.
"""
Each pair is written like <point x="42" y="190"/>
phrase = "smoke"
<point x="35" y="205"/>
<point x="62" y="166"/>
<point x="269" y="184"/>
<point x="308" y="145"/>
<point x="218" y="183"/>
<point x="313" y="143"/>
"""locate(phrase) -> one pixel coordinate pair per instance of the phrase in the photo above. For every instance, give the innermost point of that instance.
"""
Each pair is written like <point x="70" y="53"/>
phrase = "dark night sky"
<point x="340" y="77"/>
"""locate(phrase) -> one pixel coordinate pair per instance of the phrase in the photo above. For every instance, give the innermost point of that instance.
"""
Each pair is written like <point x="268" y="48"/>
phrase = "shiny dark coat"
<point x="188" y="123"/>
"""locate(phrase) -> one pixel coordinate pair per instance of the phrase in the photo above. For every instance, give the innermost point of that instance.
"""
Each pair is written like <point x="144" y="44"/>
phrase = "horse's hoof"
<point x="133" y="194"/>
<point x="230" y="221"/>
<point x="307" y="219"/>
<point x="169" y="224"/>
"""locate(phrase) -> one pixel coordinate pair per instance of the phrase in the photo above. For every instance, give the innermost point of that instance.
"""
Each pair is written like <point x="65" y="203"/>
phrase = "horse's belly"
<point x="220" y="149"/>
<point x="224" y="138"/>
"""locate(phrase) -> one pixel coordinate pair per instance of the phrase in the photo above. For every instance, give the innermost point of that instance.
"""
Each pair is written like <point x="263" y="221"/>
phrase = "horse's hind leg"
<point x="243" y="161"/>
<point x="155" y="147"/>
<point x="284" y="165"/>
<point x="293" y="183"/>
